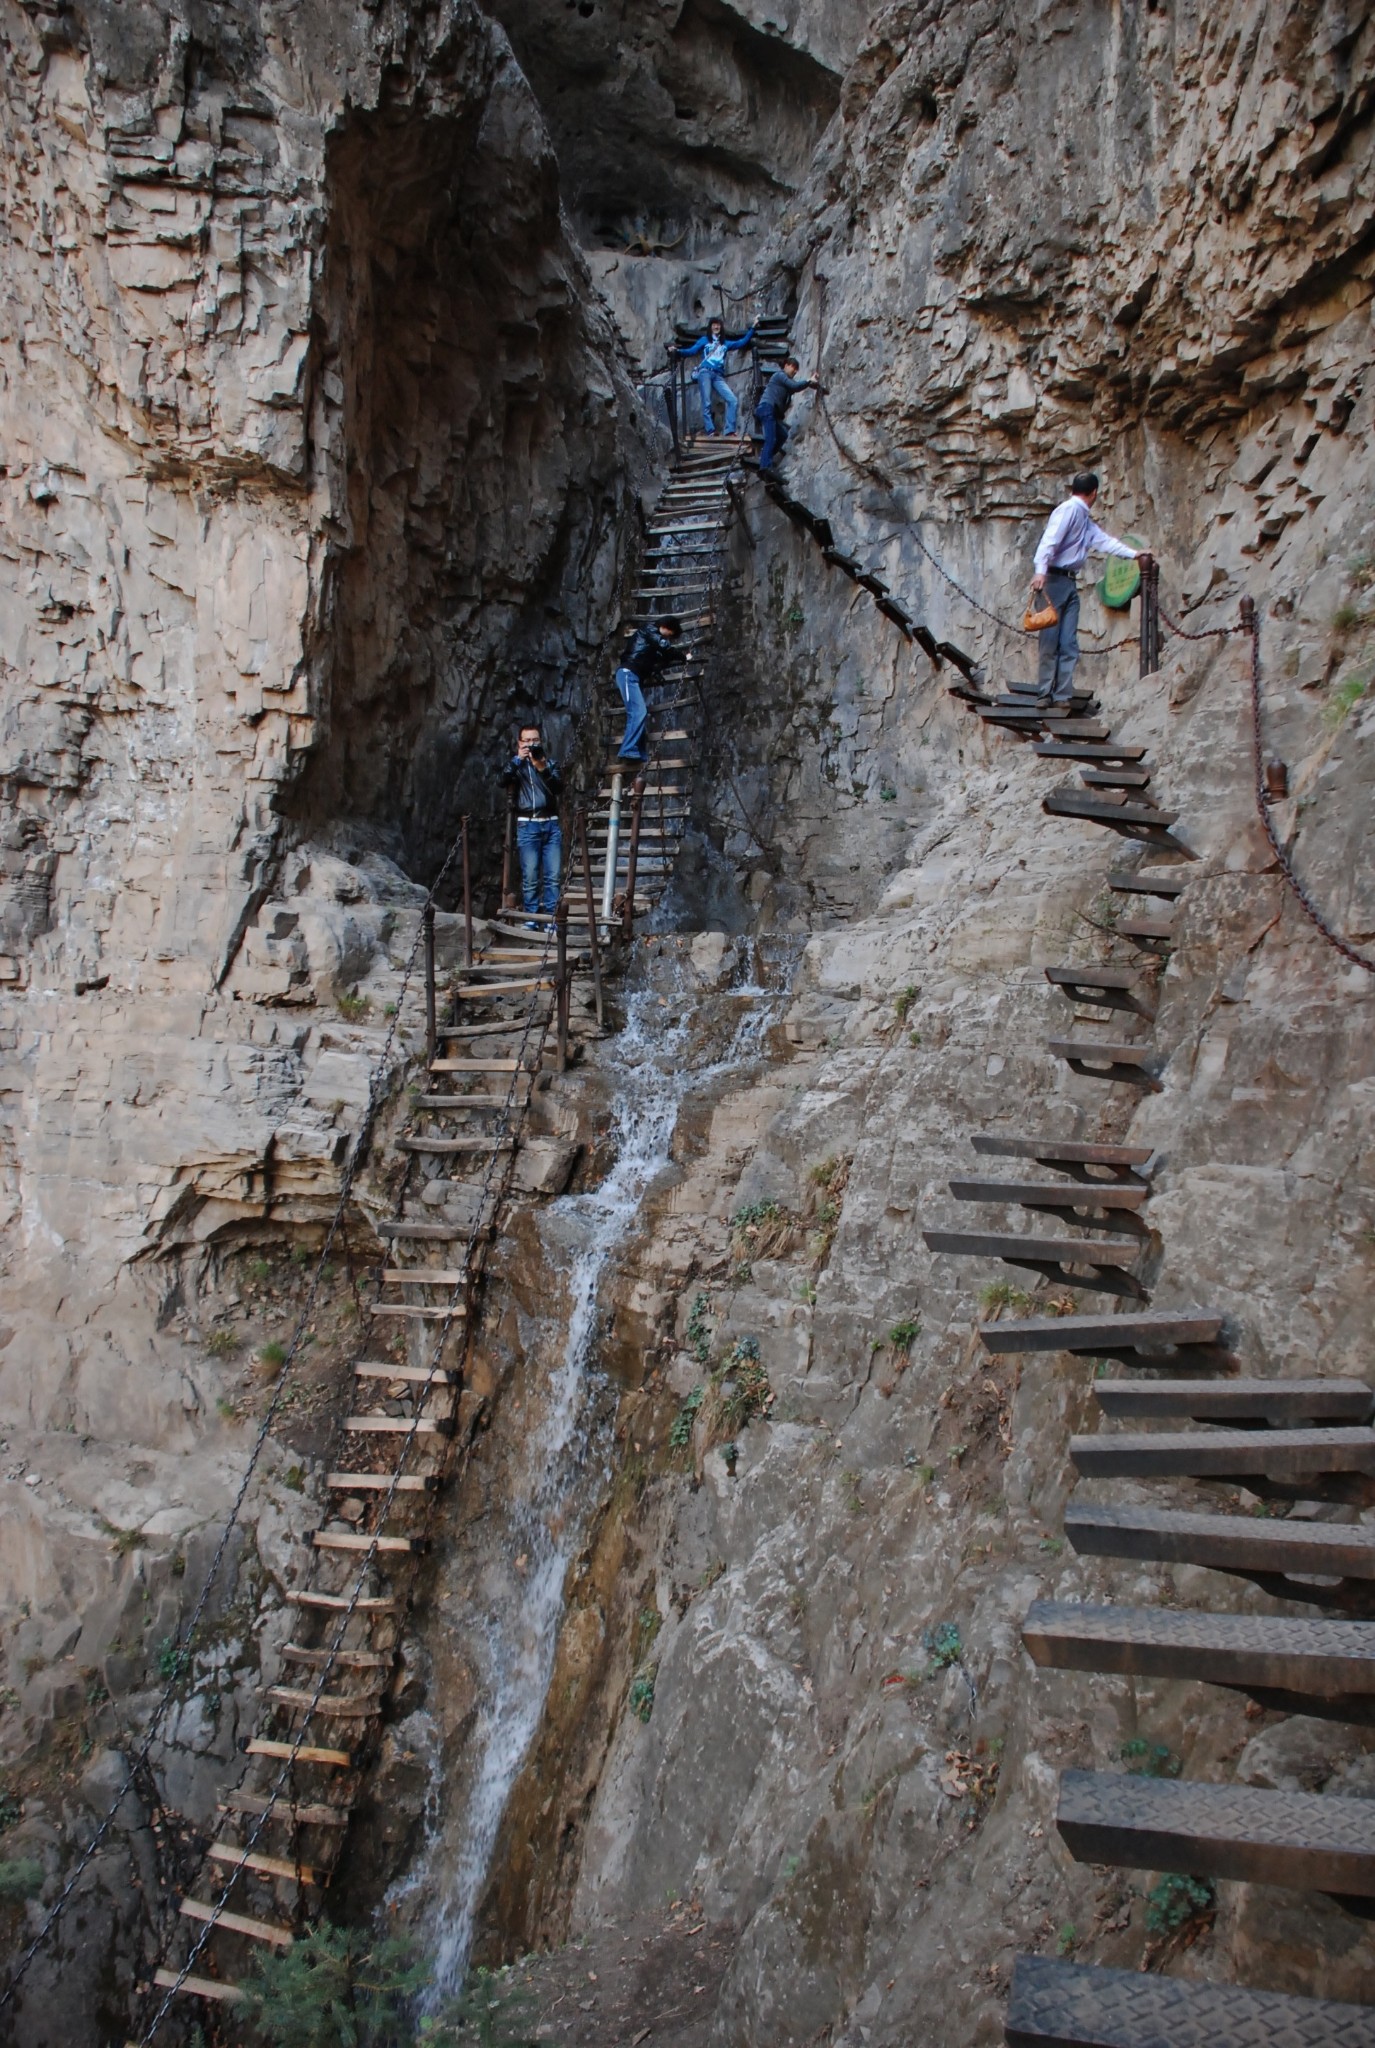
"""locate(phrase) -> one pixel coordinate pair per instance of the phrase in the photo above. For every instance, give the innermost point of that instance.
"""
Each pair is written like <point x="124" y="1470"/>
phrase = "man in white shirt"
<point x="1069" y="539"/>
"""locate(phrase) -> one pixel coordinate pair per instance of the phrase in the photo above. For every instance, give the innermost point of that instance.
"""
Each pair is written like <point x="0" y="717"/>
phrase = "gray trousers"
<point x="1059" y="644"/>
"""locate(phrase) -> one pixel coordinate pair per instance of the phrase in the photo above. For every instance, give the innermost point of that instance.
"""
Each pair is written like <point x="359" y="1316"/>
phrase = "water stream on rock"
<point x="650" y="1068"/>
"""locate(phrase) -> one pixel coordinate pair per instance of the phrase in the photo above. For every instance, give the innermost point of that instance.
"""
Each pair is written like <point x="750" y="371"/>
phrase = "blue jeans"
<point x="712" y="384"/>
<point x="1059" y="644"/>
<point x="636" y="714"/>
<point x="775" y="435"/>
<point x="539" y="841"/>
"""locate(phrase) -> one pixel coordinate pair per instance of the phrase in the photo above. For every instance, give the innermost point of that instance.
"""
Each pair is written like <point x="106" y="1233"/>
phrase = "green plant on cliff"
<point x="489" y="2012"/>
<point x="680" y="1432"/>
<point x="337" y="1987"/>
<point x="1344" y="699"/>
<point x="699" y="1330"/>
<point x="943" y="1647"/>
<point x="903" y="1336"/>
<point x="354" y="1008"/>
<point x="641" y="1695"/>
<point x="743" y="1390"/>
<point x="903" y="1001"/>
<point x="1150" y="1759"/>
<point x="1175" y="1900"/>
<point x="20" y="1878"/>
<point x="762" y="1230"/>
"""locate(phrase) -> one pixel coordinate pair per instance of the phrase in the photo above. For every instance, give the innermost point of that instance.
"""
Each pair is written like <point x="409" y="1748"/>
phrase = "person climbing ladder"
<point x="774" y="401"/>
<point x="651" y="648"/>
<point x="713" y="347"/>
<point x="1070" y="537"/>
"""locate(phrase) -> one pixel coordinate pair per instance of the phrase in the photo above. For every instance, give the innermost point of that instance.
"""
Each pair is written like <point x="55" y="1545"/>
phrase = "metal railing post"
<point x="637" y="804"/>
<point x="561" y="989"/>
<point x="593" y="941"/>
<point x="508" y="895"/>
<point x="613" y="847"/>
<point x="431" y="1016"/>
<point x="467" y="902"/>
<point x="1150" y="615"/>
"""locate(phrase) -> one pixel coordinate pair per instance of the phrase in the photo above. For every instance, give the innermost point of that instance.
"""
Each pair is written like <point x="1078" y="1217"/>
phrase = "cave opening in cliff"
<point x="470" y="471"/>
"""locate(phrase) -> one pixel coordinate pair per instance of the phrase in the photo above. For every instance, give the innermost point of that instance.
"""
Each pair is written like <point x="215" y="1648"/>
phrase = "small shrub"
<point x="903" y="1001"/>
<point x="10" y="1809"/>
<point x="1347" y="618"/>
<point x="20" y="1878"/>
<point x="335" y="1988"/>
<point x="225" y="1408"/>
<point x="489" y="2012"/>
<point x="295" y="1479"/>
<point x="259" y="1271"/>
<point x="1002" y="1294"/>
<point x="699" y="1330"/>
<point x="647" y="1625"/>
<point x="173" y="1661"/>
<point x="272" y="1355"/>
<point x="904" y="1335"/>
<point x="750" y="1392"/>
<point x="1066" y="1939"/>
<point x="354" y="1008"/>
<point x="789" y="1868"/>
<point x="641" y="1695"/>
<point x="943" y="1647"/>
<point x="680" y="1433"/>
<point x="176" y="1564"/>
<point x="301" y="1255"/>
<point x="1174" y="1900"/>
<point x="8" y="1698"/>
<point x="1150" y="1759"/>
<point x="887" y="794"/>
<point x="97" y="1691"/>
<point x="1344" y="700"/>
<point x="222" y="1343"/>
<point x="762" y="1230"/>
<point x="123" y="1542"/>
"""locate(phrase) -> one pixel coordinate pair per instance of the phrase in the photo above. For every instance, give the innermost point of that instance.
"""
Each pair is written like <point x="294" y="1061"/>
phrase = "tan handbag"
<point x="1037" y="621"/>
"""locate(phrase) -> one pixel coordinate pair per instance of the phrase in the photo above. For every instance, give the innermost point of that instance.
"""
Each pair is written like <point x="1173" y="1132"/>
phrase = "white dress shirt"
<point x="1071" y="536"/>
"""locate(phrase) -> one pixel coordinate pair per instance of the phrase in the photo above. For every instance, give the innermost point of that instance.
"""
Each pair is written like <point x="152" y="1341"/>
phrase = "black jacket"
<point x="537" y="789"/>
<point x="777" y="393"/>
<point x="647" y="652"/>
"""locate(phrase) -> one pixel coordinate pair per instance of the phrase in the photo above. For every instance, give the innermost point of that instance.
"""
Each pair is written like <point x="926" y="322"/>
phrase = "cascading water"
<point x="650" y="1074"/>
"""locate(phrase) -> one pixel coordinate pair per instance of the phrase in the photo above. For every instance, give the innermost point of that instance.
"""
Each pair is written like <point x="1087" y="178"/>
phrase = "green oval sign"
<point x="1121" y="579"/>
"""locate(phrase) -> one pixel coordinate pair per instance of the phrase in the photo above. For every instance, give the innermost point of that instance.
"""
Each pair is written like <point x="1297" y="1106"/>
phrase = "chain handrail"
<point x="1250" y="624"/>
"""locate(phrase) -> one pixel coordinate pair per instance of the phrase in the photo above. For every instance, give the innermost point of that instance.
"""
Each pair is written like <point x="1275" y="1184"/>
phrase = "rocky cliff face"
<point x="318" y="449"/>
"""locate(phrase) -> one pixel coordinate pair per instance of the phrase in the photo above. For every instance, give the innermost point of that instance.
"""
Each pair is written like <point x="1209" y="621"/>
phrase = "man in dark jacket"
<point x="651" y="649"/>
<point x="774" y="401"/>
<point x="539" y="839"/>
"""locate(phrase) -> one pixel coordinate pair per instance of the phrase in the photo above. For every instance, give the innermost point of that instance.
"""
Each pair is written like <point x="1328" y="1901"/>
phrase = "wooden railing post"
<point x="637" y="804"/>
<point x="431" y="1012"/>
<point x="561" y="979"/>
<point x="508" y="894"/>
<point x="613" y="847"/>
<point x="467" y="902"/>
<point x="593" y="940"/>
<point x="1150" y="615"/>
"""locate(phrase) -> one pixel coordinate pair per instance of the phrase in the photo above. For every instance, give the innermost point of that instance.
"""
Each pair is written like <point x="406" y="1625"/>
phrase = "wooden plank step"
<point x="1331" y="1564"/>
<point x="238" y="1923"/>
<point x="1072" y="1155"/>
<point x="307" y="1753"/>
<point x="381" y="1482"/>
<point x="1115" y="778"/>
<point x="1075" y="2005"/>
<point x="451" y="1148"/>
<point x="399" y="1425"/>
<point x="498" y="1027"/>
<point x="331" y="1539"/>
<point x="421" y="1314"/>
<point x="1111" y="1061"/>
<point x="1150" y="1330"/>
<point x="340" y="1602"/>
<point x="1149" y="930"/>
<point x="1104" y="988"/>
<point x="1057" y="1257"/>
<point x="1270" y="1401"/>
<point x="421" y="1233"/>
<point x="1290" y="1455"/>
<point x="453" y="1105"/>
<point x="352" y="1660"/>
<point x="484" y="991"/>
<point x="197" y="1987"/>
<point x="462" y="1066"/>
<point x="266" y="1866"/>
<point x="283" y="1810"/>
<point x="422" y="1276"/>
<point x="1306" y="1841"/>
<point x="332" y="1706"/>
<point x="1087" y="750"/>
<point x="1138" y="882"/>
<point x="1098" y="1208"/>
<point x="1326" y="1664"/>
<point x="414" y="1375"/>
<point x="1135" y="821"/>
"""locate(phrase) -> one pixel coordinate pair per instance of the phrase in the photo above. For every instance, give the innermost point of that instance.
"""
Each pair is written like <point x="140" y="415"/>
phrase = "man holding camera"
<point x="539" y="838"/>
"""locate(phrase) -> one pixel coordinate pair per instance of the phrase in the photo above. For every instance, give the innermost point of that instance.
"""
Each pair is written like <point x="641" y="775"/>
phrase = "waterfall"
<point x="650" y="1074"/>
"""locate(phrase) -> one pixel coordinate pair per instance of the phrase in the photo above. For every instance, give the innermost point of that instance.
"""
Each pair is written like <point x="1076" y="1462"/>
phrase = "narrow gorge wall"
<point x="320" y="457"/>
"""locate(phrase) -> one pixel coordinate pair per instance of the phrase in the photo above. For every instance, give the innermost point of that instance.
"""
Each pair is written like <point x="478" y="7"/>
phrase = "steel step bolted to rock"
<point x="1074" y="2005"/>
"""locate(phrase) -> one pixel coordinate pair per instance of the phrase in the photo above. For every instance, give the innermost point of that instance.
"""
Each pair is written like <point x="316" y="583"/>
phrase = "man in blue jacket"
<point x="651" y="649"/>
<point x="539" y="837"/>
<point x="774" y="401"/>
<point x="713" y="347"/>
